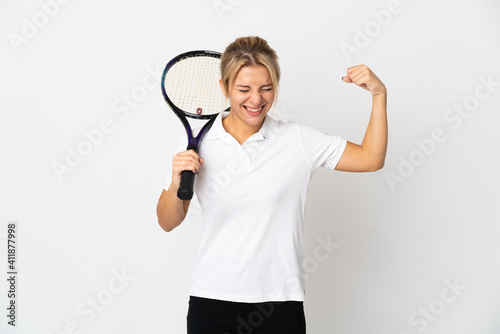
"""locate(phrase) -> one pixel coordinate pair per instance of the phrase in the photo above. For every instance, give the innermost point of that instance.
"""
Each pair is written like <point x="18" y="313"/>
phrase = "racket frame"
<point x="185" y="191"/>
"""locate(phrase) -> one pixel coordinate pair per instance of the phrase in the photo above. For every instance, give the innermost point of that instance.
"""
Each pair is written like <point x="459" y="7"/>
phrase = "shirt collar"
<point x="217" y="131"/>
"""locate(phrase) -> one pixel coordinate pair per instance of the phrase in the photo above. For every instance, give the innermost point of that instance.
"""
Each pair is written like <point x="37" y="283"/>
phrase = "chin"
<point x="256" y="120"/>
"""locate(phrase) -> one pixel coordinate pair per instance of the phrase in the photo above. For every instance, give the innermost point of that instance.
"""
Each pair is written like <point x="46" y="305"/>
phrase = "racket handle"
<point x="185" y="191"/>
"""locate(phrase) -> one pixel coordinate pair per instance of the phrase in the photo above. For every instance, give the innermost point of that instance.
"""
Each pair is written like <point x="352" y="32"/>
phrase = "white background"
<point x="399" y="241"/>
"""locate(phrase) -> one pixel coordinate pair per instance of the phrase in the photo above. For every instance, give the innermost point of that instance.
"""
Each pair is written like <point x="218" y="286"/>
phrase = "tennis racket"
<point x="190" y="85"/>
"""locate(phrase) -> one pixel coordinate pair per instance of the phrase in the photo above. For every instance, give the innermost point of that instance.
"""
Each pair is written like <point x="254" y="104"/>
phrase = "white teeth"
<point x="254" y="110"/>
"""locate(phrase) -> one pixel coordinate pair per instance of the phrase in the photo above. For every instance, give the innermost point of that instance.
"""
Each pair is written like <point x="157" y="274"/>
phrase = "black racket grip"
<point x="185" y="191"/>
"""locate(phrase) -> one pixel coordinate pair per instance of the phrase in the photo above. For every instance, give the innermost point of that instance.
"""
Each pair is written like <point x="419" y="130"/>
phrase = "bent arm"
<point x="370" y="155"/>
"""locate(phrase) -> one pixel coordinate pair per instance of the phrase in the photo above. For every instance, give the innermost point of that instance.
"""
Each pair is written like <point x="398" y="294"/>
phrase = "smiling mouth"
<point x="254" y="109"/>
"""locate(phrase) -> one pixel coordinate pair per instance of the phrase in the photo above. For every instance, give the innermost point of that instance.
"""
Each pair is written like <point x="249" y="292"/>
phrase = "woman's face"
<point x="252" y="95"/>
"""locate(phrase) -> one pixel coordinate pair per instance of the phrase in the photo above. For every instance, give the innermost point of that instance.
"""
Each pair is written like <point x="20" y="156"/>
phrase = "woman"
<point x="248" y="275"/>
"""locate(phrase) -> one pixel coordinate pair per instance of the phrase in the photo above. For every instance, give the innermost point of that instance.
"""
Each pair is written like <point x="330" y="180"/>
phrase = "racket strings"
<point x="192" y="84"/>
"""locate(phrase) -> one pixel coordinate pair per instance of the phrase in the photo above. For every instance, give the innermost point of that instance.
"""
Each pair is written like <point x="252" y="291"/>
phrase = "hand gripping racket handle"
<point x="185" y="191"/>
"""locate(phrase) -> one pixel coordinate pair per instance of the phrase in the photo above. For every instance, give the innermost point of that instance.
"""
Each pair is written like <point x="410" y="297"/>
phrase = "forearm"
<point x="171" y="210"/>
<point x="374" y="145"/>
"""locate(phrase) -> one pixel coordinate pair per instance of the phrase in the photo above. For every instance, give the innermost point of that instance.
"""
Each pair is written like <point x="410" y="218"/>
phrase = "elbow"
<point x="375" y="166"/>
<point x="168" y="229"/>
<point x="167" y="222"/>
<point x="376" y="162"/>
<point x="164" y="219"/>
<point x="165" y="226"/>
<point x="380" y="165"/>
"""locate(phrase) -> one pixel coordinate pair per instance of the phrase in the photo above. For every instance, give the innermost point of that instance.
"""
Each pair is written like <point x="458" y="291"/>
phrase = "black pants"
<point x="210" y="316"/>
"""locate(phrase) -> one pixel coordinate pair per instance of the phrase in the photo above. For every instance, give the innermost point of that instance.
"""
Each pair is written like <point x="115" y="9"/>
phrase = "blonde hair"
<point x="248" y="51"/>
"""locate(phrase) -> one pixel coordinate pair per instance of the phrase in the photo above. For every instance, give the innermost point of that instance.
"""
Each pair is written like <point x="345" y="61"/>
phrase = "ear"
<point x="222" y="86"/>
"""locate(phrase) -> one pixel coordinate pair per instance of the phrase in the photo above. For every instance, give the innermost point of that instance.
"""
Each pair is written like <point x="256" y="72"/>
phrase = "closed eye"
<point x="246" y="89"/>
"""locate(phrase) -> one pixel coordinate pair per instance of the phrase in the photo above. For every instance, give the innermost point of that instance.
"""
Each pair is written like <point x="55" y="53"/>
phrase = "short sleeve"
<point x="321" y="149"/>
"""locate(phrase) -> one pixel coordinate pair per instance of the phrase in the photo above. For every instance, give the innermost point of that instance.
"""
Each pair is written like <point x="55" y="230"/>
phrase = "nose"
<point x="255" y="98"/>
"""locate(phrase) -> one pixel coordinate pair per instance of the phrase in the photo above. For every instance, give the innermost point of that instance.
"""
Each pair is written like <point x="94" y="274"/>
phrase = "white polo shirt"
<point x="253" y="198"/>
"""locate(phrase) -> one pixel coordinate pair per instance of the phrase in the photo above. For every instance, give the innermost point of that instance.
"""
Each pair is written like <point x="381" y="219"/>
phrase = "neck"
<point x="240" y="130"/>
